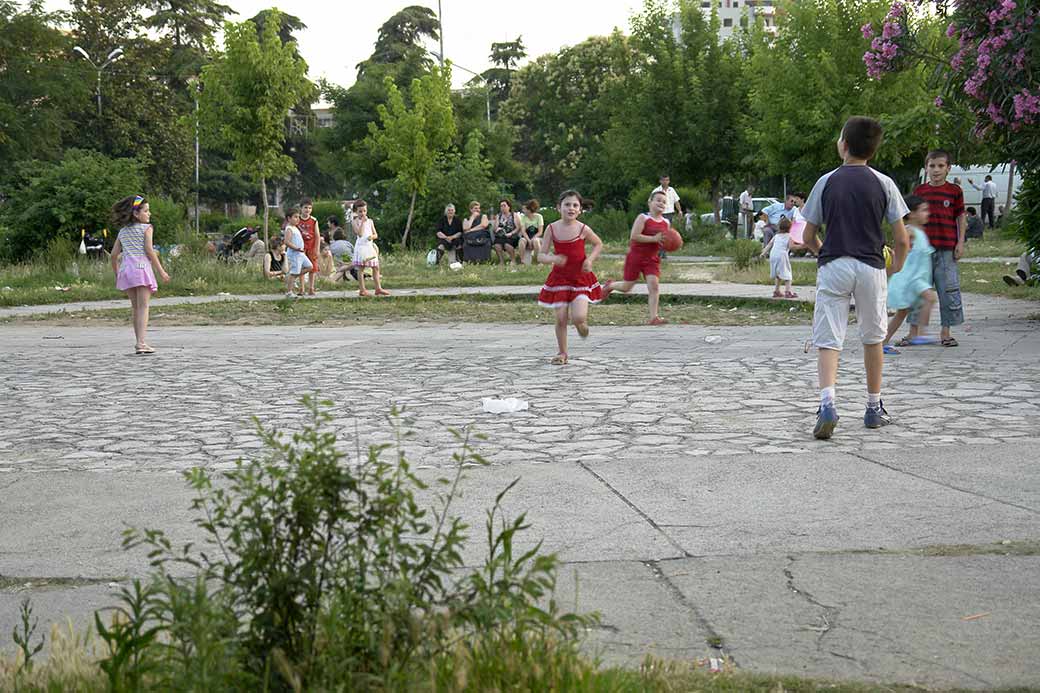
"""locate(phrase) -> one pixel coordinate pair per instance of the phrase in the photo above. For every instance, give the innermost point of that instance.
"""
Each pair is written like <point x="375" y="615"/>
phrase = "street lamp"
<point x="196" y="88"/>
<point x="487" y="87"/>
<point x="112" y="57"/>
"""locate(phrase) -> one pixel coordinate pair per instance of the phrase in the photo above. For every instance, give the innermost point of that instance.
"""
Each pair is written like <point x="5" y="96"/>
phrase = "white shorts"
<point x="837" y="283"/>
<point x="298" y="262"/>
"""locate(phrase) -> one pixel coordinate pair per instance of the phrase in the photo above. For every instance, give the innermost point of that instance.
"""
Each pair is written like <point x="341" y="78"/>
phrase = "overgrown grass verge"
<point x="621" y="310"/>
<point x="92" y="280"/>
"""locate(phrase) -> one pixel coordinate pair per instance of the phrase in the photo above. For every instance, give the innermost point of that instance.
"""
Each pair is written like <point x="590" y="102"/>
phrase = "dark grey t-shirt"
<point x="851" y="202"/>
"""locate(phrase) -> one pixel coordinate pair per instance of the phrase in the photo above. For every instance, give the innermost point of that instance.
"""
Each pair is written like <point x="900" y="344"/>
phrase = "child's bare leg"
<point x="653" y="290"/>
<point x="562" y="318"/>
<point x="787" y="286"/>
<point x="873" y="361"/>
<point x="776" y="286"/>
<point x="827" y="367"/>
<point x="141" y="314"/>
<point x="377" y="278"/>
<point x="928" y="300"/>
<point x="290" y="279"/>
<point x="512" y="254"/>
<point x="895" y="323"/>
<point x="361" y="280"/>
<point x="580" y="316"/>
<point x="624" y="287"/>
<point x="134" y="311"/>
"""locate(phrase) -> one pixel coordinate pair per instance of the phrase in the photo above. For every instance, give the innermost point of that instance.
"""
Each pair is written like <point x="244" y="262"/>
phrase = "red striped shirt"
<point x="945" y="206"/>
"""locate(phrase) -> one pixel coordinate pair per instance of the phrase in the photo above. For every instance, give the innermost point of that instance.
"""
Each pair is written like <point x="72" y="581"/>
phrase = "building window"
<point x="727" y="22"/>
<point x="705" y="5"/>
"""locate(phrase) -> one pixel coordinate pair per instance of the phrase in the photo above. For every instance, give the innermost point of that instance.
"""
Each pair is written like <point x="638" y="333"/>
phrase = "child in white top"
<point x="295" y="255"/>
<point x="759" y="232"/>
<point x="779" y="250"/>
<point x="366" y="253"/>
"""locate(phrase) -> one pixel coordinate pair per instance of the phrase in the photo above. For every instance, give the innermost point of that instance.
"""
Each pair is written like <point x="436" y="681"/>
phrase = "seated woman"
<point x="274" y="259"/>
<point x="449" y="233"/>
<point x="476" y="234"/>
<point x="532" y="225"/>
<point x="342" y="249"/>
<point x="506" y="232"/>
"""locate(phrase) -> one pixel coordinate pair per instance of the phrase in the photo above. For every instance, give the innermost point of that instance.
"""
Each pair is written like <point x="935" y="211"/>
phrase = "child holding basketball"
<point x="643" y="256"/>
<point x="571" y="285"/>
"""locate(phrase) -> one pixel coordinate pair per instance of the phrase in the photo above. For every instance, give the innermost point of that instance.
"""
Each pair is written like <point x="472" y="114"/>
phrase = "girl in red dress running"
<point x="643" y="257"/>
<point x="571" y="285"/>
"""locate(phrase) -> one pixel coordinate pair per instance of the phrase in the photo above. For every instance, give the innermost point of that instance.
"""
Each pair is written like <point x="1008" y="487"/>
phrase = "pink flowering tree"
<point x="988" y="64"/>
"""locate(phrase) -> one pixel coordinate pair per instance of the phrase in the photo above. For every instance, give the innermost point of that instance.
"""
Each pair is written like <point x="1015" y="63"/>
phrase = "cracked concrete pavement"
<point x="676" y="479"/>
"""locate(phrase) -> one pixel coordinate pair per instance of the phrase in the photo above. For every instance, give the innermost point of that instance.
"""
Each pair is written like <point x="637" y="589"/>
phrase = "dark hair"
<point x="306" y="201"/>
<point x="862" y="136"/>
<point x="799" y="195"/>
<point x="532" y="205"/>
<point x="658" y="192"/>
<point x="333" y="220"/>
<point x="288" y="213"/>
<point x="971" y="211"/>
<point x="785" y="225"/>
<point x="571" y="193"/>
<point x="508" y="204"/>
<point x="340" y="235"/>
<point x="913" y="202"/>
<point x="664" y="175"/>
<point x="989" y="178"/>
<point x="358" y="204"/>
<point x="276" y="241"/>
<point x="123" y="211"/>
<point x="938" y="154"/>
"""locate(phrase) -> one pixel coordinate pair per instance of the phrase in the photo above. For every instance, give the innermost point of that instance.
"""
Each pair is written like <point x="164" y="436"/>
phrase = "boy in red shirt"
<point x="945" y="229"/>
<point x="308" y="227"/>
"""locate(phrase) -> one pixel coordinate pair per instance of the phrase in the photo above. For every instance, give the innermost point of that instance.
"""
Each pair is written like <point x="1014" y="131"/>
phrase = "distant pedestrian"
<point x="673" y="205"/>
<point x="308" y="226"/>
<point x="989" y="198"/>
<point x="779" y="251"/>
<point x="366" y="253"/>
<point x="747" y="210"/>
<point x="295" y="254"/>
<point x="133" y="260"/>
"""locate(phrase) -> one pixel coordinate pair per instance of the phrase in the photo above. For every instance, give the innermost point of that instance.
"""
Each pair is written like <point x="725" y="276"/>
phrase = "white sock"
<point x="874" y="400"/>
<point x="826" y="395"/>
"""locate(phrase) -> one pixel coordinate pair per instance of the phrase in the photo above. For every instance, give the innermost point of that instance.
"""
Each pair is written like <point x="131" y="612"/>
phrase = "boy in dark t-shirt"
<point x="945" y="230"/>
<point x="851" y="202"/>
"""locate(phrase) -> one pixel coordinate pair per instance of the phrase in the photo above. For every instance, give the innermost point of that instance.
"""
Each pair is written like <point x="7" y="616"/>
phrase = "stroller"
<point x="231" y="247"/>
<point x="476" y="246"/>
<point x="94" y="247"/>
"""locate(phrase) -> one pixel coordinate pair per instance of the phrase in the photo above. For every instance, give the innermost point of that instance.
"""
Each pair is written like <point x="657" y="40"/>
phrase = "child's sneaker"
<point x="826" y="419"/>
<point x="876" y="418"/>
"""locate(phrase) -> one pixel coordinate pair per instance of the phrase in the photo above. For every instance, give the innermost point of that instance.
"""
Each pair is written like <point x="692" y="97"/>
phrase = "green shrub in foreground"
<point x="320" y="570"/>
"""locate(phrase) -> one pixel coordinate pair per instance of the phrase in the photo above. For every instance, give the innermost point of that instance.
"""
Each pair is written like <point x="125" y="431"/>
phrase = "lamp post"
<point x="487" y="87"/>
<point x="196" y="87"/>
<point x="112" y="57"/>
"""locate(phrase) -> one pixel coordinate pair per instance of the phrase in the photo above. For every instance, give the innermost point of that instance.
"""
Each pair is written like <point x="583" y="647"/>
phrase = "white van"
<point x="973" y="197"/>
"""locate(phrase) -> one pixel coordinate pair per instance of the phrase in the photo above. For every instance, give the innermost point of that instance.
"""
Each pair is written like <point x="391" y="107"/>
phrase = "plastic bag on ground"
<point x="504" y="406"/>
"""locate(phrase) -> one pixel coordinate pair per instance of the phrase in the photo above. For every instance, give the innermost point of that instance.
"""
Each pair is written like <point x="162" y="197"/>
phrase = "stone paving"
<point x="676" y="476"/>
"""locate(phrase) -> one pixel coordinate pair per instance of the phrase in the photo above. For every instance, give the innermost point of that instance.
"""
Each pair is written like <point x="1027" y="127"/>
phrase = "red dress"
<point x="309" y="230"/>
<point x="644" y="258"/>
<point x="569" y="282"/>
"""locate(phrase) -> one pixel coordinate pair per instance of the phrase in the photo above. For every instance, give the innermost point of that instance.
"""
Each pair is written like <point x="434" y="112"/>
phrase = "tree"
<point x="505" y="57"/>
<point x="189" y="23"/>
<point x="411" y="138"/>
<point x="36" y="92"/>
<point x="246" y="97"/>
<point x="400" y="39"/>
<point x="562" y="105"/>
<point x="808" y="79"/>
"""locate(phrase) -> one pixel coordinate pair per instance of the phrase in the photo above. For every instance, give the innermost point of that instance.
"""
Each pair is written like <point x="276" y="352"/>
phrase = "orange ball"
<point x="671" y="241"/>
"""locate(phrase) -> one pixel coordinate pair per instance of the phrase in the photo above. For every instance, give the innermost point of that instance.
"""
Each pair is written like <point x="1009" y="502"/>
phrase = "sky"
<point x="339" y="35"/>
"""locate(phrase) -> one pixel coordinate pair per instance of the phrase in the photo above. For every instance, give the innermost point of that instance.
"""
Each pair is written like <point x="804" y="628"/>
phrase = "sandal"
<point x="363" y="293"/>
<point x="905" y="342"/>
<point x="559" y="360"/>
<point x="949" y="342"/>
<point x="790" y="294"/>
<point x="889" y="349"/>
<point x="608" y="287"/>
<point x="777" y="294"/>
<point x="143" y="349"/>
<point x="658" y="321"/>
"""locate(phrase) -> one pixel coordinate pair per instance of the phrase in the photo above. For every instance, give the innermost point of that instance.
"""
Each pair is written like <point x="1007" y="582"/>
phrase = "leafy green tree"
<point x="246" y="97"/>
<point x="36" y="91"/>
<point x="808" y="79"/>
<point x="562" y="105"/>
<point x="52" y="200"/>
<point x="400" y="39"/>
<point x="411" y="137"/>
<point x="188" y="22"/>
<point x="505" y="57"/>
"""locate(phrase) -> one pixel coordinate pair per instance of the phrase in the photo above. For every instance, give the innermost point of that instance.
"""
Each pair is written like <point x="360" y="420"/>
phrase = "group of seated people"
<point x="334" y="254"/>
<point x="515" y="237"/>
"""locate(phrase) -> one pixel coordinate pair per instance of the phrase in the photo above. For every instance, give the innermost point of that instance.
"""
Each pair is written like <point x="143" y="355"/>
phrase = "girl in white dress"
<point x="779" y="250"/>
<point x="366" y="253"/>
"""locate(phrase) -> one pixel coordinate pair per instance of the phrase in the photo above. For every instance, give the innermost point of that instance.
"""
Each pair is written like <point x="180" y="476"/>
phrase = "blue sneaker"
<point x="826" y="420"/>
<point x="876" y="418"/>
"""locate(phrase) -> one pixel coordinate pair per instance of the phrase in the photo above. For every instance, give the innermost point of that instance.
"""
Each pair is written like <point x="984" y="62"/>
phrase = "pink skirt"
<point x="135" y="272"/>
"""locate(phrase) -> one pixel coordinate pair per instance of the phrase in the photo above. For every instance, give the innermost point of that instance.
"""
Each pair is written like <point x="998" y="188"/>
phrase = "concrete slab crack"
<point x="714" y="640"/>
<point x="827" y="620"/>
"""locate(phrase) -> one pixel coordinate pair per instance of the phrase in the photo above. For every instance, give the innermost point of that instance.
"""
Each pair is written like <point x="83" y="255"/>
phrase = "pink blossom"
<point x="1019" y="60"/>
<point x="868" y="30"/>
<point x="951" y="30"/>
<point x="1027" y="106"/>
<point x="891" y="30"/>
<point x="877" y="43"/>
<point x="957" y="61"/>
<point x="938" y="102"/>
<point x="889" y="50"/>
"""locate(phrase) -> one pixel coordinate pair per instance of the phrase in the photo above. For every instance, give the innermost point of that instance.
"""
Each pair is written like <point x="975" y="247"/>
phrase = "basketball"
<point x="671" y="241"/>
